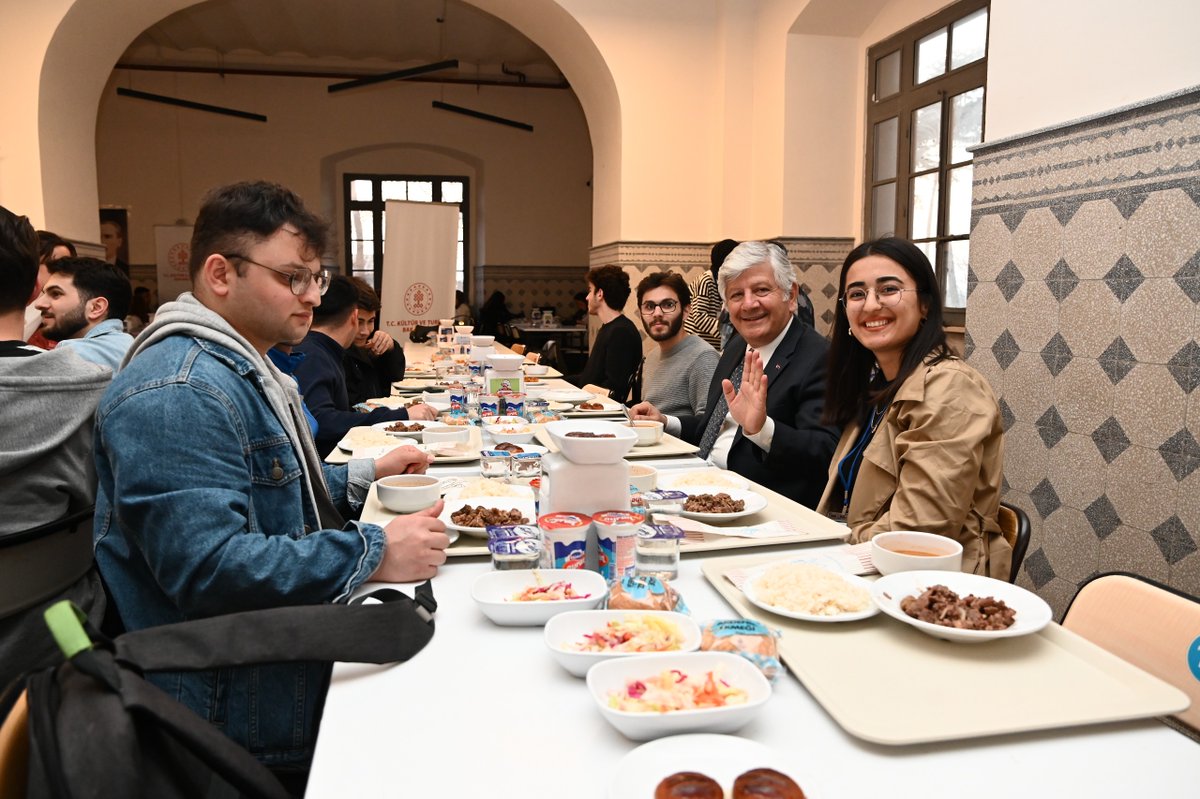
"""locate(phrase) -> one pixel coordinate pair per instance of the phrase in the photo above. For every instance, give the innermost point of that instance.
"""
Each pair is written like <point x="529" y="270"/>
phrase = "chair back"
<point x="1153" y="626"/>
<point x="14" y="750"/>
<point x="519" y="349"/>
<point x="1014" y="523"/>
<point x="550" y="355"/>
<point x="44" y="561"/>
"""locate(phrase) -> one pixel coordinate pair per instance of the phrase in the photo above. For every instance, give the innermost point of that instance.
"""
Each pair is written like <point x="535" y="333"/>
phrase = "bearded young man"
<point x="676" y="373"/>
<point x="83" y="305"/>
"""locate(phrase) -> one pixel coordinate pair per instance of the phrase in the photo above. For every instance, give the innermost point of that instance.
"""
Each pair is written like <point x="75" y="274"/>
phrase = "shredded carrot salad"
<point x="675" y="690"/>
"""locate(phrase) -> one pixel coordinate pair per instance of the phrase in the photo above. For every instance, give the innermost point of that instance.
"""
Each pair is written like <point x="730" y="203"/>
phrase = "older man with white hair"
<point x="764" y="406"/>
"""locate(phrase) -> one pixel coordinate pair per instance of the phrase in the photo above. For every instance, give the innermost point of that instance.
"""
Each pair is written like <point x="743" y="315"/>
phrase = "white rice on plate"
<point x="706" y="477"/>
<point x="483" y="487"/>
<point x="805" y="588"/>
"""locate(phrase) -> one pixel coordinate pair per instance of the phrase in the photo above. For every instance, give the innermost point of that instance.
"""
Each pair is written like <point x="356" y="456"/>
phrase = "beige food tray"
<point x="666" y="446"/>
<point x="809" y="525"/>
<point x="340" y="456"/>
<point x="888" y="683"/>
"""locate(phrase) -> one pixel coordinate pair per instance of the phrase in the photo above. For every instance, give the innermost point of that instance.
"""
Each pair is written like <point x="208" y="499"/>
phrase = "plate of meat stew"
<point x="472" y="515"/>
<point x="967" y="608"/>
<point x="721" y="504"/>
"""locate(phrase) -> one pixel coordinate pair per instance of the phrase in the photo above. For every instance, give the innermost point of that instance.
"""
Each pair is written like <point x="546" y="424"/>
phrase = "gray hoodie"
<point x="47" y="405"/>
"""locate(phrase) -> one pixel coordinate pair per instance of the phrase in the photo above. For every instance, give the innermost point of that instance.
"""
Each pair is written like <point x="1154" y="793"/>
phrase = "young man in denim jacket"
<point x="211" y="496"/>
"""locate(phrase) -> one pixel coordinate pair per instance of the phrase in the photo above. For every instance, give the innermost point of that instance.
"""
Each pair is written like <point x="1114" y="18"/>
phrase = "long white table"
<point x="485" y="711"/>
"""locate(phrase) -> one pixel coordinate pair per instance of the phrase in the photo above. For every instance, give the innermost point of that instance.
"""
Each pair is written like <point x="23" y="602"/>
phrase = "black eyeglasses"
<point x="668" y="306"/>
<point x="299" y="279"/>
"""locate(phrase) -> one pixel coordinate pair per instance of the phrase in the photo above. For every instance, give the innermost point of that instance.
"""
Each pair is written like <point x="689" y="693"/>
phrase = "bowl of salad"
<point x="582" y="638"/>
<point x="530" y="597"/>
<point x="653" y="696"/>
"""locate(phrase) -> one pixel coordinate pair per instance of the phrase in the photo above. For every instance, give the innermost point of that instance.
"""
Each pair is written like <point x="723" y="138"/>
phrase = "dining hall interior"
<point x="1061" y="207"/>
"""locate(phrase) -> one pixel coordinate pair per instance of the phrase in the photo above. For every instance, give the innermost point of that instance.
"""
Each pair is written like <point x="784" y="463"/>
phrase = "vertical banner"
<point x="420" y="252"/>
<point x="172" y="247"/>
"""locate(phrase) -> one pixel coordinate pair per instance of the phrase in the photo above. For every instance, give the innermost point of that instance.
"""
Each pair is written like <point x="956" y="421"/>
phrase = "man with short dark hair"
<point x="763" y="416"/>
<point x="678" y="371"/>
<point x="618" y="346"/>
<point x="320" y="375"/>
<point x="83" y="306"/>
<point x="46" y="472"/>
<point x="375" y="360"/>
<point x="212" y="498"/>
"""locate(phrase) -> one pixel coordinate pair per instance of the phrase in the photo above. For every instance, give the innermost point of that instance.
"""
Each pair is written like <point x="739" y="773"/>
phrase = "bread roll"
<point x="765" y="783"/>
<point x="689" y="785"/>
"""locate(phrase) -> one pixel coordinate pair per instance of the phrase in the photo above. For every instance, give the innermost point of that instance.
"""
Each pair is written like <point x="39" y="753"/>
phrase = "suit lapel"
<point x="784" y="352"/>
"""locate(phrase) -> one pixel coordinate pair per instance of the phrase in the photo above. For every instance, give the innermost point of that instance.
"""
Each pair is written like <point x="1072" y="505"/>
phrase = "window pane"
<point x="927" y="137"/>
<point x="923" y="206"/>
<point x="452" y="191"/>
<point x="420" y="190"/>
<point x="887" y="75"/>
<point x="955" y="253"/>
<point x="931" y="55"/>
<point x="361" y="190"/>
<point x="970" y="39"/>
<point x="966" y="123"/>
<point x="883" y="210"/>
<point x="362" y="256"/>
<point x="460" y="227"/>
<point x="958" y="217"/>
<point x="394" y="190"/>
<point x="887" y="148"/>
<point x="458" y="263"/>
<point x="367" y="276"/>
<point x="361" y="225"/>
<point x="930" y="250"/>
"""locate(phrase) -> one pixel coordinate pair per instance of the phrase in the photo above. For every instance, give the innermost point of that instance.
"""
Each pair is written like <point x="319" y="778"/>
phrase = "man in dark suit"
<point x="764" y="404"/>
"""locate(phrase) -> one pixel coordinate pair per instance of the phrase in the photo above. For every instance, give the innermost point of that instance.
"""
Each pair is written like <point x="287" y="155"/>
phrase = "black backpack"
<point x="97" y="728"/>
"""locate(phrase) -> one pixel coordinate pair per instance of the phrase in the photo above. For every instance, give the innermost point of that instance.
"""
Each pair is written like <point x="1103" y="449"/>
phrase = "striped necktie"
<point x="717" y="420"/>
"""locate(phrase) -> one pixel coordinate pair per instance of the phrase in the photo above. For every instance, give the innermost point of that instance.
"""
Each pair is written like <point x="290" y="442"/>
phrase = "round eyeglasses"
<point x="667" y="306"/>
<point x="298" y="279"/>
<point x="886" y="295"/>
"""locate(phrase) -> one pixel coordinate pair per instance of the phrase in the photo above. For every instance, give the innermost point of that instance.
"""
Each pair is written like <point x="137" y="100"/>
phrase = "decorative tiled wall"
<point x="527" y="287"/>
<point x="816" y="260"/>
<point x="1083" y="313"/>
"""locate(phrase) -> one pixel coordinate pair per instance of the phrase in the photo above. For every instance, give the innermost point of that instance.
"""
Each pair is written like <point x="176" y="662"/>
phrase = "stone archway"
<point x="59" y="154"/>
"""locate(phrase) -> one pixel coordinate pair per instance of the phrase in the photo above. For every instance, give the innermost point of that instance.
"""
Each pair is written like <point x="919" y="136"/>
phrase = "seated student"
<point x="493" y="314"/>
<point x="923" y="446"/>
<point x="51" y="247"/>
<point x="677" y="372"/>
<point x="375" y="360"/>
<point x="83" y="305"/>
<point x="211" y="496"/>
<point x="617" y="350"/>
<point x="46" y="470"/>
<point x="763" y="414"/>
<point x="320" y="375"/>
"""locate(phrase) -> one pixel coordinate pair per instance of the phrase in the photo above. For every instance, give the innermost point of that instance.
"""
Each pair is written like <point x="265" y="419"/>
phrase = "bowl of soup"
<point x="909" y="550"/>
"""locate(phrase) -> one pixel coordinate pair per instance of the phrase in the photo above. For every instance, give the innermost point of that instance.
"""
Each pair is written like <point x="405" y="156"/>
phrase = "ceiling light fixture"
<point x="458" y="109"/>
<point x="212" y="109"/>
<point x="399" y="74"/>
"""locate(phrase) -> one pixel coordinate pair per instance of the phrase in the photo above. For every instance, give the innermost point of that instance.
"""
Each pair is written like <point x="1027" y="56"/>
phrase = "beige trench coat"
<point x="935" y="464"/>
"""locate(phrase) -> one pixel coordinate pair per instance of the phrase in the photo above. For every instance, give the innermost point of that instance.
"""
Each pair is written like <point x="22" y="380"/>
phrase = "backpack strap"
<point x="389" y="631"/>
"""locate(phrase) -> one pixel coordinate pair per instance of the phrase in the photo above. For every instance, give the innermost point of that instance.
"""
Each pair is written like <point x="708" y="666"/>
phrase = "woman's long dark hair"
<point x="848" y="389"/>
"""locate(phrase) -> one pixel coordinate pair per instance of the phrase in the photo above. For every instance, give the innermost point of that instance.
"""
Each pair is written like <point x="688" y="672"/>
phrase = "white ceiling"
<point x="354" y="37"/>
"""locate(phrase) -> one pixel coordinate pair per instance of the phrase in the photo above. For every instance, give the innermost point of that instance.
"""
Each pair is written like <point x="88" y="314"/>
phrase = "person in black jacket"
<point x="375" y="360"/>
<point x="320" y="375"/>
<point x="763" y="416"/>
<point x="617" y="350"/>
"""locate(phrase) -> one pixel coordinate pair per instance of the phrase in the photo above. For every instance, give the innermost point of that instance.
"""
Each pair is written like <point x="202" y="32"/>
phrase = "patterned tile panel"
<point x="1085" y="315"/>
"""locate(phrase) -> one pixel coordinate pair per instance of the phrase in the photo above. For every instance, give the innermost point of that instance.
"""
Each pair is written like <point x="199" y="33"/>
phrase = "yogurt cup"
<point x="565" y="536"/>
<point x="616" y="531"/>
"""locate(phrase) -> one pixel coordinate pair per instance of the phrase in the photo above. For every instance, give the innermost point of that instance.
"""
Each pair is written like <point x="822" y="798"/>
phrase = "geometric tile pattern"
<point x="1091" y="235"/>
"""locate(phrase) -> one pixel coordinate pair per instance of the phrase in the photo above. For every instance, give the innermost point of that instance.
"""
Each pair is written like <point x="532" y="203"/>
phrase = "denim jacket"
<point x="200" y="511"/>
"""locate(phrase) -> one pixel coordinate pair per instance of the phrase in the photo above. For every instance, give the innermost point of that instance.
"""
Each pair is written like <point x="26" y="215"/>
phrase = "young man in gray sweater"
<point x="678" y="371"/>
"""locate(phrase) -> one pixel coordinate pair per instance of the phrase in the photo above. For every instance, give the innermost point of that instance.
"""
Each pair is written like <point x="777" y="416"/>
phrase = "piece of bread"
<point x="765" y="783"/>
<point x="689" y="785"/>
<point x="642" y="593"/>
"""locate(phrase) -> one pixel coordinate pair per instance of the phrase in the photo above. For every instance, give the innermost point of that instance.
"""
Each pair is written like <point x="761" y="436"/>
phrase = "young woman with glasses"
<point x="922" y="444"/>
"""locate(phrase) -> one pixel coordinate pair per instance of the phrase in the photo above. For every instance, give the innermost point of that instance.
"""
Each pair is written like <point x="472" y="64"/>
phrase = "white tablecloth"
<point x="484" y="711"/>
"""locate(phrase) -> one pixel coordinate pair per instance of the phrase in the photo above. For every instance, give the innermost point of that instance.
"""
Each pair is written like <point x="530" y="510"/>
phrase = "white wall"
<point x="532" y="201"/>
<point x="1053" y="62"/>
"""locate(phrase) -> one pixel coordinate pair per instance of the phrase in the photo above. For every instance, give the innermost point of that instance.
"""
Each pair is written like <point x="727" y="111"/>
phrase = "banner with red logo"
<point x="420" y="250"/>
<point x="172" y="246"/>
